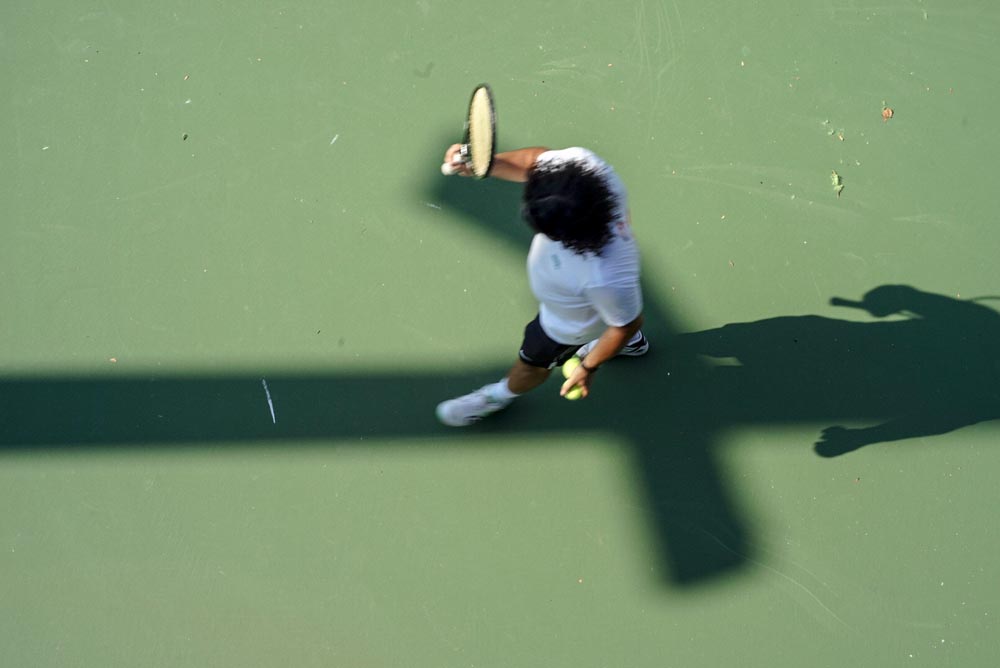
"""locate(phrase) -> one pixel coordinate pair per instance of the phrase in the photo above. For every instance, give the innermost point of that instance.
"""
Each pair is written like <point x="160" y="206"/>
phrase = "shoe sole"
<point x="639" y="352"/>
<point x="628" y="351"/>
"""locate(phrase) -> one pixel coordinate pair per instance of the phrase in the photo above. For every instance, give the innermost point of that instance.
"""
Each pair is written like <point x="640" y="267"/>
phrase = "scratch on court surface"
<point x="137" y="194"/>
<point x="270" y="404"/>
<point x="815" y="283"/>
<point x="658" y="51"/>
<point x="781" y="574"/>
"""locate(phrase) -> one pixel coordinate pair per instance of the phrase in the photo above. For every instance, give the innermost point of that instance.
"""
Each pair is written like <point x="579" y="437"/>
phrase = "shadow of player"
<point x="930" y="367"/>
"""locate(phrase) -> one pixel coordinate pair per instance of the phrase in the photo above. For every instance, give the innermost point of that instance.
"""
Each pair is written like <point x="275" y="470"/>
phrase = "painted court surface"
<point x="235" y="285"/>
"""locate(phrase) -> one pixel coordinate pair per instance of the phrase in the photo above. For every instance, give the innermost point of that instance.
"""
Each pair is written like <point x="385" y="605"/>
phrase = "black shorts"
<point x="537" y="349"/>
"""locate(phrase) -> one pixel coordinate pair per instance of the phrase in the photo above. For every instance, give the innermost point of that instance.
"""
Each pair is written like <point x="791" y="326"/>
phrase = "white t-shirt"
<point x="581" y="295"/>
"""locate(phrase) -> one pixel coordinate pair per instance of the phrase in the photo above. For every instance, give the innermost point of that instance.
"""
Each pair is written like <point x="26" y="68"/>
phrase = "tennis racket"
<point x="480" y="135"/>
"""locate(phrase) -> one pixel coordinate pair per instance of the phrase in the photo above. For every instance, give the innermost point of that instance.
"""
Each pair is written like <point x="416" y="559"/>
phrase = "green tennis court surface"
<point x="236" y="285"/>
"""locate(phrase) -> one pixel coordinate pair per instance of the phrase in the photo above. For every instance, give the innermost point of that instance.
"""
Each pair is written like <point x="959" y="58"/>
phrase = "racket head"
<point x="481" y="132"/>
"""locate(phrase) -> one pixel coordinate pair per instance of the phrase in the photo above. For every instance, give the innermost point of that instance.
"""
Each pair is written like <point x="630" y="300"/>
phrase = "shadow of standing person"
<point x="932" y="366"/>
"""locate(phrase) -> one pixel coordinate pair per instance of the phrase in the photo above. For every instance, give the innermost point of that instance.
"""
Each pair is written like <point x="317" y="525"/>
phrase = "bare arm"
<point x="508" y="166"/>
<point x="611" y="341"/>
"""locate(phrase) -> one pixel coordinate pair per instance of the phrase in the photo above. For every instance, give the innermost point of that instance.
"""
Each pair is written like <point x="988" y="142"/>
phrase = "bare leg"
<point x="523" y="377"/>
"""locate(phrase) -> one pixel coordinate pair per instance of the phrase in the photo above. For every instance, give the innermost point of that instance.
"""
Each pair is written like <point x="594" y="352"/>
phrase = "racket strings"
<point x="481" y="132"/>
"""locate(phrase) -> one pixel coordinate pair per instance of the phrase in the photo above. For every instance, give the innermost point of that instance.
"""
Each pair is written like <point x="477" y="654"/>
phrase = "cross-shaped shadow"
<point x="932" y="371"/>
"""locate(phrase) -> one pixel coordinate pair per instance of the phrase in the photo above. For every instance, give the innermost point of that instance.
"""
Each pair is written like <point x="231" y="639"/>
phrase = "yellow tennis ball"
<point x="567" y="369"/>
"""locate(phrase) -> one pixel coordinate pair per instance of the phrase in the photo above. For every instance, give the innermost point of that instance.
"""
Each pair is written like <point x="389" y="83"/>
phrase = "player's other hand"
<point x="577" y="378"/>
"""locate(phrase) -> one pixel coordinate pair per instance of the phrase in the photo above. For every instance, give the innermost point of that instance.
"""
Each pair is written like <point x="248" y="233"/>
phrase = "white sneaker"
<point x="463" y="411"/>
<point x="637" y="349"/>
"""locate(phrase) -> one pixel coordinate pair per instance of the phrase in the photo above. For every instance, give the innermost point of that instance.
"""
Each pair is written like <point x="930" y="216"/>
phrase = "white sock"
<point x="501" y="391"/>
<point x="636" y="338"/>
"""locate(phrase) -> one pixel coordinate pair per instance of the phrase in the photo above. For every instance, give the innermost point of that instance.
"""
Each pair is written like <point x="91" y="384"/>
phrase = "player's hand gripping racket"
<point x="479" y="142"/>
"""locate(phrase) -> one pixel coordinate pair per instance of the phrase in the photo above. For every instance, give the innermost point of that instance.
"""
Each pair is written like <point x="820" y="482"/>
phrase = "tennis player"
<point x="583" y="267"/>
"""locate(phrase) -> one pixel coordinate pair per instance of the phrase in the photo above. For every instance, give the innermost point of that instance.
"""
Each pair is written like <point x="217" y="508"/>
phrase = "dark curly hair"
<point x="570" y="203"/>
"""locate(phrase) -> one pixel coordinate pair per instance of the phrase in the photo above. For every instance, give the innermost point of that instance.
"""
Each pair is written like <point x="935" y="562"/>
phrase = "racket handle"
<point x="457" y="160"/>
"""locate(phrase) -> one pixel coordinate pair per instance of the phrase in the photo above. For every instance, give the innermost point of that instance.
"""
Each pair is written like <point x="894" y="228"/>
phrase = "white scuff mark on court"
<point x="270" y="404"/>
<point x="334" y="140"/>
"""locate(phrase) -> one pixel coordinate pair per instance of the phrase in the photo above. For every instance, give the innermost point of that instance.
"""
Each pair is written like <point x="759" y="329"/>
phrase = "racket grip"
<point x="457" y="160"/>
